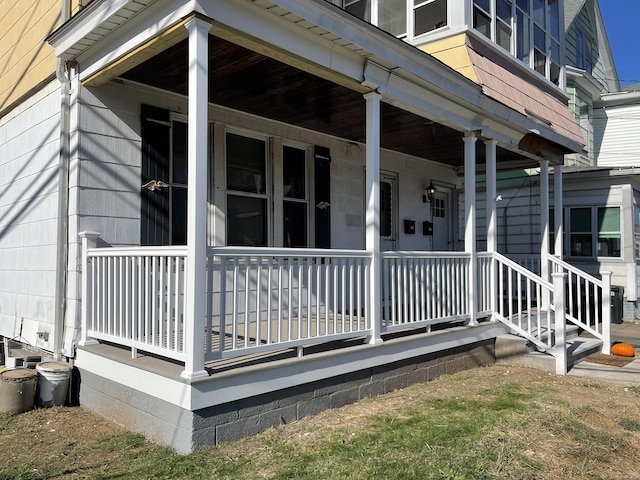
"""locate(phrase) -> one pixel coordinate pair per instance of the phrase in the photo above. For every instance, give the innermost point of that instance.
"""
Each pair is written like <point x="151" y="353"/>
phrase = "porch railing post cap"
<point x="88" y="234"/>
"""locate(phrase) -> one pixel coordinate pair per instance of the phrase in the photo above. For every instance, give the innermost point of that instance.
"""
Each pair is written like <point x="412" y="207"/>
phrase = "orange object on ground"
<point x="623" y="349"/>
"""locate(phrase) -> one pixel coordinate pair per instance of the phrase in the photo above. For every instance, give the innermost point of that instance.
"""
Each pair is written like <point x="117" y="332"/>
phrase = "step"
<point x="512" y="349"/>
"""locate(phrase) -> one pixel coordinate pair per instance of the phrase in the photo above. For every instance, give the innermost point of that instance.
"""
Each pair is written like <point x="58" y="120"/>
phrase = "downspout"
<point x="63" y="197"/>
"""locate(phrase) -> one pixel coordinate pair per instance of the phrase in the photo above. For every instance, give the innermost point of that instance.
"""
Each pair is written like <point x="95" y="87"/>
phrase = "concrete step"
<point x="512" y="349"/>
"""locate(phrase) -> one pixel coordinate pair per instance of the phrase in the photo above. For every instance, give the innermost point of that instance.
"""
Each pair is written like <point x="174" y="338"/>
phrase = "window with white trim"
<point x="595" y="232"/>
<point x="583" y="51"/>
<point x="252" y="175"/>
<point x="402" y="18"/>
<point x="528" y="29"/>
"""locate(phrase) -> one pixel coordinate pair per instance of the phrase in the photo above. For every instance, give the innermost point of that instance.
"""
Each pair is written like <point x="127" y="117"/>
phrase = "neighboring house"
<point x="232" y="213"/>
<point x="600" y="188"/>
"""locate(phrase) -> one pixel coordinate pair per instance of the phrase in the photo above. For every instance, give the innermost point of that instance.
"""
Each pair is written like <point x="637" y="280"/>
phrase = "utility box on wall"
<point x="410" y="227"/>
<point x="427" y="228"/>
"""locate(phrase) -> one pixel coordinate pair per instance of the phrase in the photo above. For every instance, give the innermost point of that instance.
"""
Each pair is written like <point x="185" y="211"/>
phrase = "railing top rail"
<point x="575" y="270"/>
<point x="285" y="252"/>
<point x="523" y="271"/>
<point x="150" y="251"/>
<point x="424" y="254"/>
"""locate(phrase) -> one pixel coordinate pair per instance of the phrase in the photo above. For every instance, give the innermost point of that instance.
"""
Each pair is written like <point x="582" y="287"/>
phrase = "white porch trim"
<point x="197" y="197"/>
<point x="557" y="210"/>
<point x="491" y="199"/>
<point x="372" y="214"/>
<point x="470" y="139"/>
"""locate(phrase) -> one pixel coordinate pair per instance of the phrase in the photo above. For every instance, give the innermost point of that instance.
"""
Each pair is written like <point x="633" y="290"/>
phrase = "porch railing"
<point x="587" y="298"/>
<point x="262" y="299"/>
<point x="135" y="297"/>
<point x="424" y="288"/>
<point x="265" y="299"/>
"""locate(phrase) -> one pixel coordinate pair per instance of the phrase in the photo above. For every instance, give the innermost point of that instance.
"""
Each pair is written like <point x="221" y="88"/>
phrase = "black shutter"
<point x="322" y="175"/>
<point x="154" y="215"/>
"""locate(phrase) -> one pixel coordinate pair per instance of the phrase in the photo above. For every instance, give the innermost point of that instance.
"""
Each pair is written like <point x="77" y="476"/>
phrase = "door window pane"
<point x="178" y="216"/>
<point x="294" y="170"/>
<point x="246" y="164"/>
<point x="295" y="224"/>
<point x="386" y="218"/>
<point x="179" y="139"/>
<point x="294" y="188"/>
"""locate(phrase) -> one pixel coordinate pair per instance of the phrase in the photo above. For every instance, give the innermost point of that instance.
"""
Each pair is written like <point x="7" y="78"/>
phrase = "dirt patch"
<point x="582" y="429"/>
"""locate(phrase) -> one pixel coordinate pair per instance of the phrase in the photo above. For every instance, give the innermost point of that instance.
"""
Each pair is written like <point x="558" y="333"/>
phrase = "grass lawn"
<point x="501" y="422"/>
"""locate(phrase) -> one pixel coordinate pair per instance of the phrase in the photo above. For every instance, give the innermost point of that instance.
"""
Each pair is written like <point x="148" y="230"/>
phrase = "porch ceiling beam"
<point x="285" y="56"/>
<point x="169" y="37"/>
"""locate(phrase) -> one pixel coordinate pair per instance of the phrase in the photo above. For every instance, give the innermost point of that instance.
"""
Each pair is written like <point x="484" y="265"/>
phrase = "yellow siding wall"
<point x="26" y="59"/>
<point x="452" y="51"/>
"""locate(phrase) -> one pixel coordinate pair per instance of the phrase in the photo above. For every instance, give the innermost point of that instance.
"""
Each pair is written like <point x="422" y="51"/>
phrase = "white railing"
<point x="265" y="299"/>
<point x="262" y="299"/>
<point x="424" y="288"/>
<point x="521" y="303"/>
<point x="587" y="299"/>
<point x="135" y="297"/>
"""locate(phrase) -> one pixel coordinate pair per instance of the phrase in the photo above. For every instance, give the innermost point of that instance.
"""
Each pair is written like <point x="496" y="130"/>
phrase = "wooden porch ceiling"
<point x="257" y="84"/>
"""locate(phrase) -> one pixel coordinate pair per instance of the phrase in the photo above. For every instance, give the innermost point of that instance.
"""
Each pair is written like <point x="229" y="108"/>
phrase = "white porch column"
<point x="195" y="296"/>
<point x="372" y="215"/>
<point x="470" y="221"/>
<point x="557" y="211"/>
<point x="544" y="220"/>
<point x="544" y="229"/>
<point x="492" y="242"/>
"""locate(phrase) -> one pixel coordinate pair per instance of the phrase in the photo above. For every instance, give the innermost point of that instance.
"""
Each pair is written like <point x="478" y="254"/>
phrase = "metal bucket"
<point x="17" y="390"/>
<point x="53" y="383"/>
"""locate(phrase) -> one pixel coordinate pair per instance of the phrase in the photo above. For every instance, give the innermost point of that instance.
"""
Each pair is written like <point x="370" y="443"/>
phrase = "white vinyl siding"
<point x="29" y="148"/>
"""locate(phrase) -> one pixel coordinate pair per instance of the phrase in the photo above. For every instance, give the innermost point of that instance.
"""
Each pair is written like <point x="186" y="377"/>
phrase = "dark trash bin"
<point x="617" y="303"/>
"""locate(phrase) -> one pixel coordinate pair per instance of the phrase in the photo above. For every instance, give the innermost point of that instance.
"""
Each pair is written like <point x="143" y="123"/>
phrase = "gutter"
<point x="63" y="197"/>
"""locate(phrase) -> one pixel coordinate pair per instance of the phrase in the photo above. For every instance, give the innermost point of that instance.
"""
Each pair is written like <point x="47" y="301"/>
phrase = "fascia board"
<point x="130" y="36"/>
<point x="585" y="80"/>
<point x="87" y="21"/>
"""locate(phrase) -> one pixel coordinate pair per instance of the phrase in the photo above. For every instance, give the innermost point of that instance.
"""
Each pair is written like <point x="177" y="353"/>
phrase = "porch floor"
<point x="172" y="369"/>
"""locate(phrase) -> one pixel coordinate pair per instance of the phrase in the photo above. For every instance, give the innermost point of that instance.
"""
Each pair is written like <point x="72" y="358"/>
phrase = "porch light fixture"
<point x="429" y="193"/>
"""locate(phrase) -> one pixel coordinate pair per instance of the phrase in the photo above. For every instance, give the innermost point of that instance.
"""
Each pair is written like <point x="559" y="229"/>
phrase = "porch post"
<point x="490" y="146"/>
<point x="195" y="296"/>
<point x="373" y="212"/>
<point x="557" y="211"/>
<point x="559" y="280"/>
<point x="89" y="240"/>
<point x="544" y="228"/>
<point x="470" y="221"/>
<point x="606" y="312"/>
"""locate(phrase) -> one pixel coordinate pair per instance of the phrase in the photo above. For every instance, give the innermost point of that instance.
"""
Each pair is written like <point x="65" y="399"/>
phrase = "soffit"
<point x="326" y="105"/>
<point x="101" y="19"/>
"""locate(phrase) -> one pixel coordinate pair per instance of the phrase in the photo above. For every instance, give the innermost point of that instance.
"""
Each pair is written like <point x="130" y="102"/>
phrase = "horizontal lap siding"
<point x="29" y="146"/>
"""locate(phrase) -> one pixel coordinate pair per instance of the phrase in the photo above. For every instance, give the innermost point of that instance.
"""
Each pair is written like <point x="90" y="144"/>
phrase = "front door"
<point x="388" y="211"/>
<point x="164" y="178"/>
<point x="441" y="215"/>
